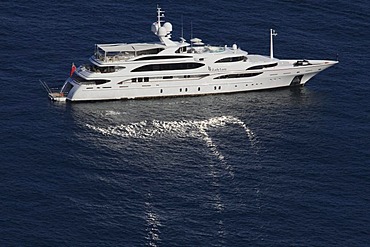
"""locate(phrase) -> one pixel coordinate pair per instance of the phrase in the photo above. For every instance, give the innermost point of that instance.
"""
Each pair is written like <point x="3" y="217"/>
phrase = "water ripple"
<point x="185" y="128"/>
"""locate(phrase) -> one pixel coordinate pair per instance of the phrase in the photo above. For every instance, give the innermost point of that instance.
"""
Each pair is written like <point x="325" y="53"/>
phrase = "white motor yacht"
<point x="178" y="68"/>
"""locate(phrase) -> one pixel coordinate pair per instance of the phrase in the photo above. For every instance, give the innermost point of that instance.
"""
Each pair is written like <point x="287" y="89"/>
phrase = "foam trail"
<point x="184" y="128"/>
<point x="248" y="131"/>
<point x="212" y="146"/>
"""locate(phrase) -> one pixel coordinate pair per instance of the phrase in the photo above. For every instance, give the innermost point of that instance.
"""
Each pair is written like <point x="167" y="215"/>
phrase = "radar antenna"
<point x="163" y="32"/>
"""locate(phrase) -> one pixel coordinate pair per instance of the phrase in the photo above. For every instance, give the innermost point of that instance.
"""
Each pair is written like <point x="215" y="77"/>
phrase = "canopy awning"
<point x="129" y="47"/>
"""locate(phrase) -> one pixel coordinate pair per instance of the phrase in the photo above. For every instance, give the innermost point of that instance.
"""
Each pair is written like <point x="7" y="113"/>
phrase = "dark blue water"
<point x="286" y="167"/>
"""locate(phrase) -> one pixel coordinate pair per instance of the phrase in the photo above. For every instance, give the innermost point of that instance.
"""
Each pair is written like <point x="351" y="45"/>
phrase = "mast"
<point x="163" y="32"/>
<point x="159" y="15"/>
<point x="272" y="34"/>
<point x="182" y="26"/>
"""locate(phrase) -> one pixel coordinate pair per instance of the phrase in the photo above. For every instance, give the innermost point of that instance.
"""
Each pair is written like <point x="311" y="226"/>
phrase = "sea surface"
<point x="287" y="167"/>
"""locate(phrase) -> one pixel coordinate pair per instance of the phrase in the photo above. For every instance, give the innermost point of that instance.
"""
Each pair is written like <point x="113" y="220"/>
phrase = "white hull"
<point x="269" y="79"/>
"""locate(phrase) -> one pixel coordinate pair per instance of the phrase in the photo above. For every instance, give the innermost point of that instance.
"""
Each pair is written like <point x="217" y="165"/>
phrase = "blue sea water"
<point x="287" y="167"/>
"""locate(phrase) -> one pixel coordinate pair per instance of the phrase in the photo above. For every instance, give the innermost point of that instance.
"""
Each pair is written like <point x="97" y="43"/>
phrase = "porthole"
<point x="186" y="89"/>
<point x="198" y="88"/>
<point x="161" y="91"/>
<point x="215" y="88"/>
<point x="219" y="87"/>
<point x="180" y="90"/>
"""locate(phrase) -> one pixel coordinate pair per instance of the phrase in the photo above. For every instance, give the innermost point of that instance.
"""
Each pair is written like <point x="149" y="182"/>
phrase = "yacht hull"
<point x="267" y="79"/>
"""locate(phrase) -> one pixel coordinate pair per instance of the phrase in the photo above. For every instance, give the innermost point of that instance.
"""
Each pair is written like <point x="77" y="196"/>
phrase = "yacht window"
<point x="160" y="57"/>
<point x="150" y="51"/>
<point x="232" y="76"/>
<point x="232" y="59"/>
<point x="263" y="66"/>
<point x="181" y="50"/>
<point x="168" y="66"/>
<point x="81" y="80"/>
<point x="101" y="69"/>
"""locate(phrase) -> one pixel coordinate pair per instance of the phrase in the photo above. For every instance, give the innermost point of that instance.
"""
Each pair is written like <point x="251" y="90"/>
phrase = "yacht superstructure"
<point x="178" y="68"/>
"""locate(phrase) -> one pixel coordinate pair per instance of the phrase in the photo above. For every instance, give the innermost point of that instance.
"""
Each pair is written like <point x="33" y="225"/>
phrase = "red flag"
<point x="73" y="69"/>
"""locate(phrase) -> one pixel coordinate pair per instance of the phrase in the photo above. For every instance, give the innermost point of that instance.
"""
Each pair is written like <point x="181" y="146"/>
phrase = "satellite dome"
<point x="168" y="27"/>
<point x="162" y="32"/>
<point x="155" y="27"/>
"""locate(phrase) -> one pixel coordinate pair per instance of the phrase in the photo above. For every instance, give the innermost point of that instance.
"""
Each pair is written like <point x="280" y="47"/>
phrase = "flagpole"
<point x="73" y="69"/>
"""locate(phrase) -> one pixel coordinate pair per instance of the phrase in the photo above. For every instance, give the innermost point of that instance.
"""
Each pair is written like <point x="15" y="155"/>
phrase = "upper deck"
<point x="112" y="53"/>
<point x="124" y="52"/>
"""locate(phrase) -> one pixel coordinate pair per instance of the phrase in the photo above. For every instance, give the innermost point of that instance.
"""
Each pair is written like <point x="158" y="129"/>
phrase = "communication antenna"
<point x="182" y="26"/>
<point x="272" y="34"/>
<point x="191" y="33"/>
<point x="160" y="14"/>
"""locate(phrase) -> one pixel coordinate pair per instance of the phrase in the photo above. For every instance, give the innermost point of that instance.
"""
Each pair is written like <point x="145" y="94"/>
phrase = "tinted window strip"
<point x="160" y="57"/>
<point x="168" y="66"/>
<point x="263" y="66"/>
<point x="232" y="76"/>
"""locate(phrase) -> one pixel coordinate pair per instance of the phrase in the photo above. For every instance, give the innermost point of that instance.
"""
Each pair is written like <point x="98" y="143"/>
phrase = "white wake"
<point x="184" y="128"/>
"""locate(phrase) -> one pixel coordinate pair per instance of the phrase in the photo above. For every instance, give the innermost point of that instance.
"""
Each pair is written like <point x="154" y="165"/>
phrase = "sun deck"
<point x="124" y="52"/>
